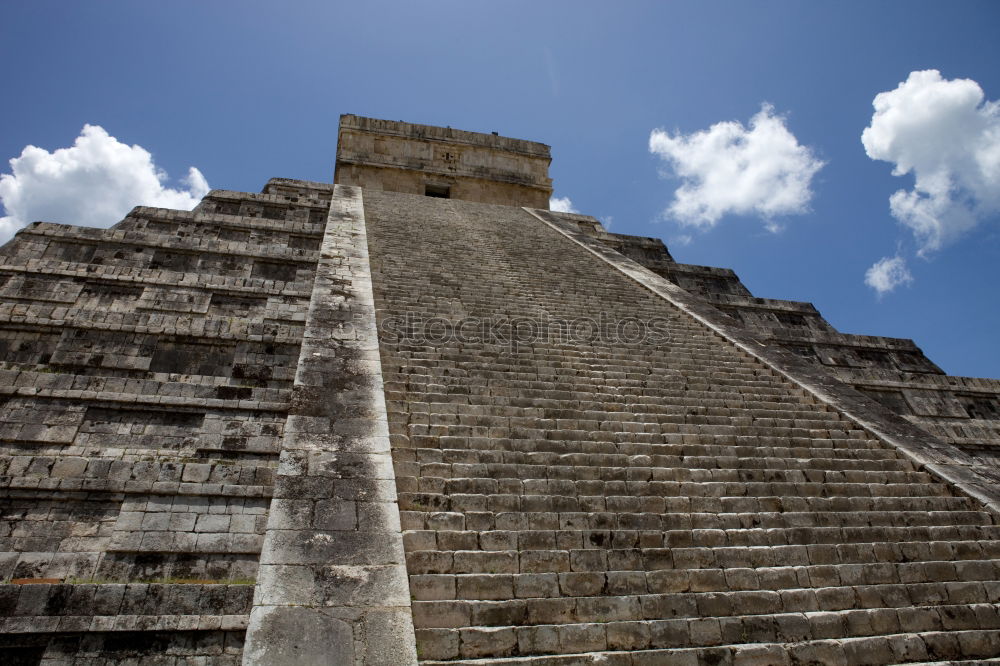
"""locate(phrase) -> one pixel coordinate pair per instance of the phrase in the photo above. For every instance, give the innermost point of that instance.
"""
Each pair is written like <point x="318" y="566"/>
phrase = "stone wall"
<point x="145" y="373"/>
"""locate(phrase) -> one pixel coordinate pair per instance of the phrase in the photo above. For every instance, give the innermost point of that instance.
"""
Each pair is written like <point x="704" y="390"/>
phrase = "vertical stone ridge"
<point x="332" y="586"/>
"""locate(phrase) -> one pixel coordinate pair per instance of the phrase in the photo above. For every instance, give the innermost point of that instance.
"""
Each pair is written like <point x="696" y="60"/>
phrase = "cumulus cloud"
<point x="95" y="182"/>
<point x="731" y="169"/>
<point x="948" y="136"/>
<point x="562" y="205"/>
<point x="888" y="273"/>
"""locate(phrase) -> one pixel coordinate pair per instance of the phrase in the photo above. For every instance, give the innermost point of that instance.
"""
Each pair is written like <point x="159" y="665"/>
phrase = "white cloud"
<point x="949" y="137"/>
<point x="888" y="273"/>
<point x="93" y="183"/>
<point x="732" y="169"/>
<point x="562" y="205"/>
<point x="681" y="240"/>
<point x="607" y="222"/>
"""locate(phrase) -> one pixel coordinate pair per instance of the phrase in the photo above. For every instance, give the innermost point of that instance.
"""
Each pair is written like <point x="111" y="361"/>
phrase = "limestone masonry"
<point x="416" y="416"/>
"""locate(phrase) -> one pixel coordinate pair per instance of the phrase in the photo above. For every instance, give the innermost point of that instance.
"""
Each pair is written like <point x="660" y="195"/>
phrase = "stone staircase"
<point x="605" y="497"/>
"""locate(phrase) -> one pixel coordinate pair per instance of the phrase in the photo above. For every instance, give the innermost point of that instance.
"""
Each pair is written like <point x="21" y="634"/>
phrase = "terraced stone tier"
<point x="626" y="499"/>
<point x="145" y="375"/>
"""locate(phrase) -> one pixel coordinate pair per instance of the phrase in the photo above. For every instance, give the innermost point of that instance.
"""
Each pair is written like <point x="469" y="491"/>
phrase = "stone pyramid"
<point x="415" y="417"/>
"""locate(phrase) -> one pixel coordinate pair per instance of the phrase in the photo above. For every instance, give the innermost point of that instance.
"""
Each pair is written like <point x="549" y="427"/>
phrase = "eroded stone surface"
<point x="341" y="553"/>
<point x="146" y="375"/>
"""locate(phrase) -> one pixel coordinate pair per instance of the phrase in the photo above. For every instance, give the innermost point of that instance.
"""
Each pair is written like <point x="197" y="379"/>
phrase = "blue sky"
<point x="245" y="91"/>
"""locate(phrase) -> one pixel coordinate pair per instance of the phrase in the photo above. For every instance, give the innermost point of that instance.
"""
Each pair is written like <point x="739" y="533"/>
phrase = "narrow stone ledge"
<point x="170" y="324"/>
<point x="45" y="624"/>
<point x="135" y="487"/>
<point x="114" y="399"/>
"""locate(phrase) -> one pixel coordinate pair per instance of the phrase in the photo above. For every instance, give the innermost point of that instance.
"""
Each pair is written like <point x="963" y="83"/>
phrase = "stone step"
<point x="513" y="445"/>
<point x="686" y="566"/>
<point x="796" y="585"/>
<point x="474" y="450"/>
<point x="680" y="368"/>
<point x="543" y="353"/>
<point x="461" y="425"/>
<point x="509" y="517"/>
<point x="816" y="537"/>
<point x="538" y="386"/>
<point x="638" y="443"/>
<point x="611" y="442"/>
<point x="730" y="384"/>
<point x="489" y="600"/>
<point x="656" y="512"/>
<point x="962" y="662"/>
<point x="567" y="504"/>
<point x="539" y="394"/>
<point x="638" y="467"/>
<point x="563" y="502"/>
<point x="723" y="552"/>
<point x="957" y="648"/>
<point x="565" y="479"/>
<point x="620" y="359"/>
<point x="545" y="418"/>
